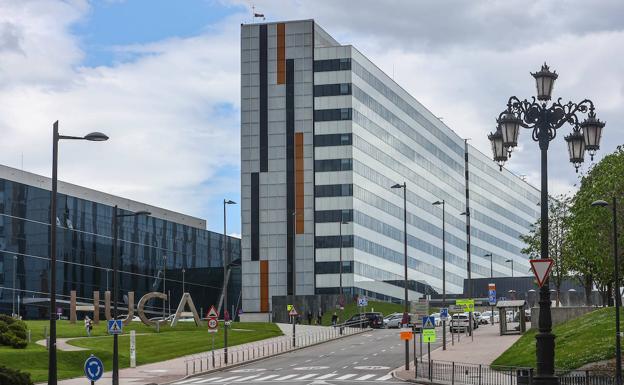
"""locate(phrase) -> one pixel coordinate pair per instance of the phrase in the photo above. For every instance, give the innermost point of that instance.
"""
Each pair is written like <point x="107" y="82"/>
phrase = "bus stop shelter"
<point x="515" y="306"/>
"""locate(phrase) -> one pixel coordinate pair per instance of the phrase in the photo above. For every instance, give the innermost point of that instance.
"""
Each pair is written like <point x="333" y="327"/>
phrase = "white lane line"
<point x="292" y="365"/>
<point x="355" y="363"/>
<point x="228" y="379"/>
<point x="343" y="349"/>
<point x="326" y="376"/>
<point x="383" y="350"/>
<point x="375" y="354"/>
<point x="346" y="376"/>
<point x="247" y="378"/>
<point x="365" y="358"/>
<point x="306" y="376"/>
<point x="185" y="381"/>
<point x="344" y="367"/>
<point x="207" y="380"/>
<point x="308" y="360"/>
<point x="364" y="378"/>
<point x="286" y="377"/>
<point x="386" y="377"/>
<point x="267" y="377"/>
<point x="332" y="352"/>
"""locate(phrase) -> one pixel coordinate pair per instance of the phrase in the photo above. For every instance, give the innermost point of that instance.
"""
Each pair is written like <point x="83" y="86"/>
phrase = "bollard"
<point x="453" y="374"/>
<point x="201" y="365"/>
<point x="193" y="366"/>
<point x="186" y="362"/>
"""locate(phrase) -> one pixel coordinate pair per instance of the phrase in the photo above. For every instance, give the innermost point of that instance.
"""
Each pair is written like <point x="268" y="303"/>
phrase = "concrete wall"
<point x="303" y="303"/>
<point x="561" y="314"/>
<point x="567" y="298"/>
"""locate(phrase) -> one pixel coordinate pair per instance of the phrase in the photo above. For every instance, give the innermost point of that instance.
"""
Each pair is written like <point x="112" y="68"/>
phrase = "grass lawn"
<point x="184" y="339"/>
<point x="587" y="339"/>
<point x="384" y="308"/>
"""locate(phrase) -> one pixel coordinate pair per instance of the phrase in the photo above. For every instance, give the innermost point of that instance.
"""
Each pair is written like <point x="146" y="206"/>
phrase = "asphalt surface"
<point x="363" y="358"/>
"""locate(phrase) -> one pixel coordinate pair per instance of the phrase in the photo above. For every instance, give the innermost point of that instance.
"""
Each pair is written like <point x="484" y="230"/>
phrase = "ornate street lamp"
<point x="544" y="121"/>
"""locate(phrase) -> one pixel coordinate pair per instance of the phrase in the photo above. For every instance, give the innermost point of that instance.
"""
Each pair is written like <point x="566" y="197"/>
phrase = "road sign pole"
<point x="293" y="334"/>
<point x="421" y="343"/>
<point x="429" y="358"/>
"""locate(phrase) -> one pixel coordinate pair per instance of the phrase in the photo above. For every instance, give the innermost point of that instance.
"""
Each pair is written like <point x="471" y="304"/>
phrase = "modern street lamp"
<point x="93" y="137"/>
<point x="405" y="308"/>
<point x="14" y="281"/>
<point x="225" y="267"/>
<point x="183" y="288"/>
<point x="116" y="216"/>
<point x="341" y="297"/>
<point x="164" y="284"/>
<point x="618" y="294"/>
<point x="544" y="122"/>
<point x="512" y="270"/>
<point x="491" y="276"/>
<point x="443" y="203"/>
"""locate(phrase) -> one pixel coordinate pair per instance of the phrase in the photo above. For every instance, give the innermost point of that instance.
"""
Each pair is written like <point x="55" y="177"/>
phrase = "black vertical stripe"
<point x="255" y="216"/>
<point x="290" y="169"/>
<point x="264" y="136"/>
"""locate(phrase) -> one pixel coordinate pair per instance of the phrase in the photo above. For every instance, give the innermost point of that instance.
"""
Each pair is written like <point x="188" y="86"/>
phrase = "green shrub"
<point x="19" y="330"/>
<point x="10" y="376"/>
<point x="7" y="319"/>
<point x="13" y="335"/>
<point x="3" y="327"/>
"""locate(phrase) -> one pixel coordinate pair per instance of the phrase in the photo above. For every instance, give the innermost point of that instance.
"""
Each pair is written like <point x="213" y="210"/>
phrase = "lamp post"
<point x="116" y="216"/>
<point x="544" y="121"/>
<point x="491" y="276"/>
<point x="618" y="294"/>
<point x="405" y="308"/>
<point x="443" y="203"/>
<point x="225" y="267"/>
<point x="93" y="137"/>
<point x="14" y="280"/>
<point x="164" y="284"/>
<point x="341" y="297"/>
<point x="512" y="270"/>
<point x="183" y="288"/>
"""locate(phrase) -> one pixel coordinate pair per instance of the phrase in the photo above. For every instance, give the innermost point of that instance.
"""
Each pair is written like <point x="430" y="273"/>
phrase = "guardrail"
<point x="236" y="355"/>
<point x="452" y="373"/>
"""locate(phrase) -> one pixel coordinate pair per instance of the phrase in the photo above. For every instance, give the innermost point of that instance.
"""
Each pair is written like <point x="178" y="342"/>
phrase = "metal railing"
<point x="444" y="372"/>
<point x="206" y="361"/>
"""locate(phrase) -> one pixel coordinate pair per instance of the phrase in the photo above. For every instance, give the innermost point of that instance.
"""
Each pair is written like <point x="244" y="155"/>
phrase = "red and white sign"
<point x="292" y="312"/>
<point x="541" y="269"/>
<point x="213" y="323"/>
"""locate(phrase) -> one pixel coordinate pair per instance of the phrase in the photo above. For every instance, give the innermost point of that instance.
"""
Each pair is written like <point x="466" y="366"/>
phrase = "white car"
<point x="459" y="323"/>
<point x="486" y="317"/>
<point x="393" y="321"/>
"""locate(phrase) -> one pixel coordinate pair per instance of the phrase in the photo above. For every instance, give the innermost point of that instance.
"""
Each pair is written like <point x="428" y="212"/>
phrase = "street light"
<point x="405" y="309"/>
<point x="491" y="276"/>
<point x="341" y="297"/>
<point x="618" y="295"/>
<point x="225" y="267"/>
<point x="183" y="289"/>
<point x="93" y="137"/>
<point x="544" y="121"/>
<point x="510" y="260"/>
<point x="116" y="216"/>
<point x="443" y="203"/>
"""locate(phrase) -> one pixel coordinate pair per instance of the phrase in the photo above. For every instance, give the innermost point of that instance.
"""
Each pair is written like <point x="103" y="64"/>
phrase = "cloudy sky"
<point x="161" y="78"/>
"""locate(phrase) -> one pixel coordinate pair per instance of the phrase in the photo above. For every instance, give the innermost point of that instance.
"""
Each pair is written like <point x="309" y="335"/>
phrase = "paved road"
<point x="367" y="357"/>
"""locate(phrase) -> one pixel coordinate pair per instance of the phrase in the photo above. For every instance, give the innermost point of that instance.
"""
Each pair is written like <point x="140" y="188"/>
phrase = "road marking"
<point x="383" y="350"/>
<point x="207" y="380"/>
<point x="247" y="378"/>
<point x="344" y="367"/>
<point x="311" y="368"/>
<point x="332" y="352"/>
<point x="229" y="379"/>
<point x="365" y="377"/>
<point x="375" y="354"/>
<point x="365" y="358"/>
<point x="374" y="367"/>
<point x="267" y="377"/>
<point x="346" y="376"/>
<point x="343" y="349"/>
<point x="185" y="381"/>
<point x="306" y="376"/>
<point x="326" y="376"/>
<point x="386" y="377"/>
<point x="355" y="363"/>
<point x="286" y="377"/>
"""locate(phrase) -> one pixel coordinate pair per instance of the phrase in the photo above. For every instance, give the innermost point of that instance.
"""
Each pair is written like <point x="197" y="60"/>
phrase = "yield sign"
<point x="292" y="312"/>
<point x="541" y="269"/>
<point x="212" y="313"/>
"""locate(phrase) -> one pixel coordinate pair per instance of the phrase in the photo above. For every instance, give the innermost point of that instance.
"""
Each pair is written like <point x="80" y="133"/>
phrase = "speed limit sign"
<point x="212" y="323"/>
<point x="212" y="320"/>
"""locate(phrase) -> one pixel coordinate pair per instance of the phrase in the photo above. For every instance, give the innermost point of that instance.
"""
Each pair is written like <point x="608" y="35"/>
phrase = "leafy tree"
<point x="558" y="247"/>
<point x="591" y="228"/>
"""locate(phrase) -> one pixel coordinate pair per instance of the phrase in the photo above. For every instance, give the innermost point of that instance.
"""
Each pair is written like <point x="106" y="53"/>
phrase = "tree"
<point x="591" y="228"/>
<point x="558" y="247"/>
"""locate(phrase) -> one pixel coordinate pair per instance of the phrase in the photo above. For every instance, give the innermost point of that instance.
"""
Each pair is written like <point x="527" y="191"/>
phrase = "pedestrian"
<point x="320" y="316"/>
<point x="309" y="317"/>
<point x="334" y="319"/>
<point x="88" y="325"/>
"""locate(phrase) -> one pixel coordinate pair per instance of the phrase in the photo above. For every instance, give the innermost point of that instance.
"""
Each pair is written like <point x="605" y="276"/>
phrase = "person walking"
<point x="334" y="319"/>
<point x="320" y="316"/>
<point x="309" y="317"/>
<point x="88" y="325"/>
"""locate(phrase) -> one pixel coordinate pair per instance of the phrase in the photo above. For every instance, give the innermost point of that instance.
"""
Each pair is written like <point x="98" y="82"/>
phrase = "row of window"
<point x="328" y="216"/>
<point x="333" y="190"/>
<point x="332" y="114"/>
<point x="324" y="165"/>
<point x="327" y="140"/>
<point x="332" y="89"/>
<point x="332" y="241"/>
<point x="333" y="267"/>
<point x="342" y="64"/>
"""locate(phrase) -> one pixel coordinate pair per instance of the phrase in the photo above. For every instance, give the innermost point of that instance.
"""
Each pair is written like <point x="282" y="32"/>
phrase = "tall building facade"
<point x="165" y="252"/>
<point x="324" y="135"/>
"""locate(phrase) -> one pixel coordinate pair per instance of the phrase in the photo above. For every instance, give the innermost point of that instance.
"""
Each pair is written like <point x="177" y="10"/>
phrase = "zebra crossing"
<point x="225" y="378"/>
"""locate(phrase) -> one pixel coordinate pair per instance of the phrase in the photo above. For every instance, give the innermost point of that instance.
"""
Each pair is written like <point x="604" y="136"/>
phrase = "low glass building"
<point x="162" y="252"/>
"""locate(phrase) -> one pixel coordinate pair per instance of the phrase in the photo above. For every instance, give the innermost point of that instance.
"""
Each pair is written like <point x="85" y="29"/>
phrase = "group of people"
<point x="319" y="317"/>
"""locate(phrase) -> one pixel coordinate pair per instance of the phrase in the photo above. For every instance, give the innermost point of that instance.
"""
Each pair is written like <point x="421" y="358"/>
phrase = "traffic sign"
<point x="429" y="335"/>
<point x="492" y="294"/>
<point x="406" y="336"/>
<point x="212" y="312"/>
<point x="420" y="309"/>
<point x="428" y="323"/>
<point x="213" y="322"/>
<point x="467" y="304"/>
<point x="93" y="368"/>
<point x="362" y="301"/>
<point x="444" y="314"/>
<point x="292" y="312"/>
<point x="541" y="269"/>
<point x="115" y="326"/>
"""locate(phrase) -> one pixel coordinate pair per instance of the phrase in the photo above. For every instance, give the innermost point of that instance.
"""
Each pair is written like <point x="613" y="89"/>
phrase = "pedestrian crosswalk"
<point x="225" y="378"/>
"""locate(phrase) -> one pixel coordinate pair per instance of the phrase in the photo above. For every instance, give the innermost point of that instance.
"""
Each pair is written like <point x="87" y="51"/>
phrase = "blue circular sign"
<point x="93" y="368"/>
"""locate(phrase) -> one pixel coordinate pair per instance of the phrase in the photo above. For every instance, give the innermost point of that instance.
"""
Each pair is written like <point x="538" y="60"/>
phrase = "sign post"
<point x="132" y="349"/>
<point x="93" y="368"/>
<point x="293" y="314"/>
<point x="492" y="300"/>
<point x="213" y="328"/>
<point x="429" y="336"/>
<point x="115" y="326"/>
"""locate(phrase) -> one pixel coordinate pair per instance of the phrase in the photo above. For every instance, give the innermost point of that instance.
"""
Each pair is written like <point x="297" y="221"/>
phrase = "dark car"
<point x="370" y="319"/>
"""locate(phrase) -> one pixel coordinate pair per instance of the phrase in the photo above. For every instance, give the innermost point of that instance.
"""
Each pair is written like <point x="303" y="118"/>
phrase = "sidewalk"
<point x="485" y="348"/>
<point x="174" y="369"/>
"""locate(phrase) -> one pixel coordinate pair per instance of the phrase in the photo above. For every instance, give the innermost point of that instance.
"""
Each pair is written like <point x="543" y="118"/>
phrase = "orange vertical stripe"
<point x="281" y="53"/>
<point x="299" y="224"/>
<point x="264" y="286"/>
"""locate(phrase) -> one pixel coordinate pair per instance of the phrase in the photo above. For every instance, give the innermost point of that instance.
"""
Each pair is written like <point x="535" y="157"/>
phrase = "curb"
<point x="238" y="364"/>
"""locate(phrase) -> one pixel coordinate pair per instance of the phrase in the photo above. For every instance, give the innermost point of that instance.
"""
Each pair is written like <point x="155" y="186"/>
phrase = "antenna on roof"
<point x="256" y="14"/>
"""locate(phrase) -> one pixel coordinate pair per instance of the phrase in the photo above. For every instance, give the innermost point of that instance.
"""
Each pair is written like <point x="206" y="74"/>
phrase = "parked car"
<point x="477" y="316"/>
<point x="394" y="321"/>
<point x="389" y="317"/>
<point x="486" y="317"/>
<point x="459" y="323"/>
<point x="370" y="319"/>
<point x="436" y="317"/>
